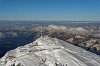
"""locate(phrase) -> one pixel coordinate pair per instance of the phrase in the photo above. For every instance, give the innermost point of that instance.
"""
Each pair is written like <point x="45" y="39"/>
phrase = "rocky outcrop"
<point x="92" y="45"/>
<point x="77" y="39"/>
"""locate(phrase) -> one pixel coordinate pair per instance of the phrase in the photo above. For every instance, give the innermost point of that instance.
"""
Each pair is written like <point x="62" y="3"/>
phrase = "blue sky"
<point x="54" y="10"/>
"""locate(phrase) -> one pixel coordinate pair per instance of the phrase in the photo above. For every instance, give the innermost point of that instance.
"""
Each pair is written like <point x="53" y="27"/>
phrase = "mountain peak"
<point x="47" y="51"/>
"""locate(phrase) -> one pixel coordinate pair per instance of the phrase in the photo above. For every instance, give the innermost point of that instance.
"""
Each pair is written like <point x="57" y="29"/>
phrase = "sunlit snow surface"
<point x="47" y="51"/>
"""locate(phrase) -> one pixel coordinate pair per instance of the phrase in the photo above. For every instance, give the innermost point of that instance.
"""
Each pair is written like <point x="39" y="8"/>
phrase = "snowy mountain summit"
<point x="47" y="51"/>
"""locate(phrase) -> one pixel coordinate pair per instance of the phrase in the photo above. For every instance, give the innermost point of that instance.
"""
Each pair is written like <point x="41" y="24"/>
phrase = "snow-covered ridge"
<point x="47" y="51"/>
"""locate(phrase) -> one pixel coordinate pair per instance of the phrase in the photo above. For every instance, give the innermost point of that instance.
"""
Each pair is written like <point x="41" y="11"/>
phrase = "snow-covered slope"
<point x="47" y="51"/>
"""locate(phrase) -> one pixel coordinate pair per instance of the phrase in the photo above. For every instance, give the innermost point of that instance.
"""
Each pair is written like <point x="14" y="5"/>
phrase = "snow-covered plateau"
<point x="47" y="51"/>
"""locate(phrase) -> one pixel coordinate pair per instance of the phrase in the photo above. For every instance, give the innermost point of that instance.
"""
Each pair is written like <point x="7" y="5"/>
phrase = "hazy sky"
<point x="66" y="10"/>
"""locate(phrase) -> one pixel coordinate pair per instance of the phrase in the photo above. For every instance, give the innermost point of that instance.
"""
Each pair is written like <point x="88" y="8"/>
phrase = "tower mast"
<point x="41" y="31"/>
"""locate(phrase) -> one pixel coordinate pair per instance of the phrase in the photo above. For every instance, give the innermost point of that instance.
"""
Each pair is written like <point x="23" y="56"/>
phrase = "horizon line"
<point x="55" y="20"/>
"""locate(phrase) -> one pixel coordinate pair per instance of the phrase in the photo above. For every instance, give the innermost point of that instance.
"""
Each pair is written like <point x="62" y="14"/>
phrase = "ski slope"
<point x="47" y="51"/>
